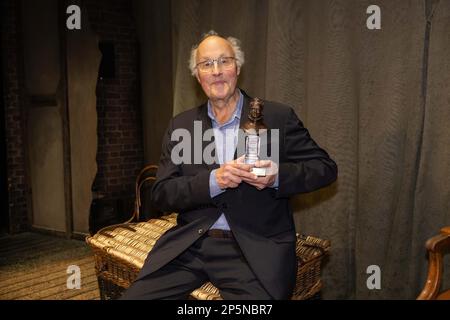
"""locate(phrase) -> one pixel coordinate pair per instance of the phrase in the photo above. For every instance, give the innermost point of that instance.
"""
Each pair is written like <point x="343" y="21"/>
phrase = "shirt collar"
<point x="236" y="114"/>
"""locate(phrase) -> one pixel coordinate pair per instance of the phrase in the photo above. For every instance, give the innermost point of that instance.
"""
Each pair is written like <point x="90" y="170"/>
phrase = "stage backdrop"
<point x="377" y="100"/>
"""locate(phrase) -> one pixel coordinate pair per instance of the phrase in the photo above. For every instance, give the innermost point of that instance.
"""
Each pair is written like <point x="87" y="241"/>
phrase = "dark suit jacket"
<point x="261" y="220"/>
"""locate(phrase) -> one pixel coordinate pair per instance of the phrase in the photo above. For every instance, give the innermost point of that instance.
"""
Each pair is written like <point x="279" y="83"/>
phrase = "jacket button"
<point x="200" y="231"/>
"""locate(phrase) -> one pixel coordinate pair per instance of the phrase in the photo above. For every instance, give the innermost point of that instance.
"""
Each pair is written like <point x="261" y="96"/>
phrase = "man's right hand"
<point x="230" y="174"/>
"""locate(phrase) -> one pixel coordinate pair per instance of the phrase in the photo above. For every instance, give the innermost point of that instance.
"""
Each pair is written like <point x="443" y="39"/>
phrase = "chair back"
<point x="143" y="208"/>
<point x="437" y="247"/>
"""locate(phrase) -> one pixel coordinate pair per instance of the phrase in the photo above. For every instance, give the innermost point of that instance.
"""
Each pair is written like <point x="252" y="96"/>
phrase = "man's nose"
<point x="215" y="68"/>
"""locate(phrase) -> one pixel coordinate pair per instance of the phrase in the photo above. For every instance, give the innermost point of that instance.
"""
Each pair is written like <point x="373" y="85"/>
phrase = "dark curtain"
<point x="377" y="100"/>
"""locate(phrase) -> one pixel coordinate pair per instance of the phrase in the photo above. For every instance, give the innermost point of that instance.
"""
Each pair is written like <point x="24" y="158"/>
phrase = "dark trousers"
<point x="218" y="260"/>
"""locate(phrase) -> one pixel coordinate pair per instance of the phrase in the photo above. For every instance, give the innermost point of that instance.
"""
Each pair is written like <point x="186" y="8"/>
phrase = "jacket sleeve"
<point x="174" y="192"/>
<point x="306" y="166"/>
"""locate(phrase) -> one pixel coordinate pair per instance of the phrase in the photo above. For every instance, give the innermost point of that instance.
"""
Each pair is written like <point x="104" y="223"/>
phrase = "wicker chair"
<point x="120" y="251"/>
<point x="144" y="210"/>
<point x="437" y="246"/>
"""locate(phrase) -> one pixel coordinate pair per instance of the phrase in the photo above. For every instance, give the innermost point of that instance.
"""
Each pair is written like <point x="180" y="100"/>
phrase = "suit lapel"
<point x="245" y="109"/>
<point x="244" y="116"/>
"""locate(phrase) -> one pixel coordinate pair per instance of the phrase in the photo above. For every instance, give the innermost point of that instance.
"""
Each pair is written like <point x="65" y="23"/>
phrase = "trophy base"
<point x="260" y="172"/>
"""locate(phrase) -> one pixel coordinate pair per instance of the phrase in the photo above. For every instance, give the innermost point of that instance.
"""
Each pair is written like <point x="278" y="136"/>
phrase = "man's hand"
<point x="269" y="179"/>
<point x="232" y="173"/>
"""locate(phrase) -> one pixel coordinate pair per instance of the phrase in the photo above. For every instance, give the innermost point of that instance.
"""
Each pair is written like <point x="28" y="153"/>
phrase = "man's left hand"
<point x="269" y="179"/>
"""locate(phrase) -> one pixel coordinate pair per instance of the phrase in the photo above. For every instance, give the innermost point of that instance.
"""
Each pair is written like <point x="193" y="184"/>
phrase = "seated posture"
<point x="235" y="227"/>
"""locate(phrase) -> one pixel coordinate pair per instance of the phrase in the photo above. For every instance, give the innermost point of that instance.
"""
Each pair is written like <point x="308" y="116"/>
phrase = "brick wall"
<point x="120" y="146"/>
<point x="11" y="78"/>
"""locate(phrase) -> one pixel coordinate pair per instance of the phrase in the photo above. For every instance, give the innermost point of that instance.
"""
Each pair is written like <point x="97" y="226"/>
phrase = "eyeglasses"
<point x="224" y="62"/>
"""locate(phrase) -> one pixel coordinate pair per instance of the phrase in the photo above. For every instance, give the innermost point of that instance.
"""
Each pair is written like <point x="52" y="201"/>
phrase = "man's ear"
<point x="238" y="71"/>
<point x="196" y="75"/>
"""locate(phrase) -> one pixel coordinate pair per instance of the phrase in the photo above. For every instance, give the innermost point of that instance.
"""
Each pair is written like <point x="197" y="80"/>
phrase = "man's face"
<point x="218" y="84"/>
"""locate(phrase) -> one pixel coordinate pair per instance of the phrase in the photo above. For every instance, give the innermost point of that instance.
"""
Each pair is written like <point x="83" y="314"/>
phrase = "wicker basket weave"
<point x="120" y="252"/>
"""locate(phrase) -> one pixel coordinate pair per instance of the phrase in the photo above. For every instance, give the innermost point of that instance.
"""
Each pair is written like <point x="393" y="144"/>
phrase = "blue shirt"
<point x="225" y="136"/>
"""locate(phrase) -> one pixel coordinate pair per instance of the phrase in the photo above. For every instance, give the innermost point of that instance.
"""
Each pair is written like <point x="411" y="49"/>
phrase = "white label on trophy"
<point x="260" y="172"/>
<point x="252" y="145"/>
<point x="251" y="148"/>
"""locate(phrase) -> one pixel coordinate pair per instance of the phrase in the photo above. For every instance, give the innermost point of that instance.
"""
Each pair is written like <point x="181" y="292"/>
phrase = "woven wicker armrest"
<point x="120" y="252"/>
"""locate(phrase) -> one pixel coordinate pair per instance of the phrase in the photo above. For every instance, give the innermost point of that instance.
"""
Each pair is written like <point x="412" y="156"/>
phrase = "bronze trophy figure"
<point x="252" y="128"/>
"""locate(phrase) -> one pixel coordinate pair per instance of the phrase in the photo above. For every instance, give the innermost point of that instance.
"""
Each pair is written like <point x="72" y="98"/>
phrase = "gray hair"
<point x="235" y="45"/>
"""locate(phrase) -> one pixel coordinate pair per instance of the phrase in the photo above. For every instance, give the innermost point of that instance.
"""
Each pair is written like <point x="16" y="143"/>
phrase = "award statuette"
<point x="252" y="128"/>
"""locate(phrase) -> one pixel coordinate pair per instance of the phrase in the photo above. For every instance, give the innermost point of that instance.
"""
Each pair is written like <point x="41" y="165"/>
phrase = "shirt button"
<point x="200" y="231"/>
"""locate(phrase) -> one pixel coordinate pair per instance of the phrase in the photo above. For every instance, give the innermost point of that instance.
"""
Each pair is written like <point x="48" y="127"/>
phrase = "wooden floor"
<point x="34" y="266"/>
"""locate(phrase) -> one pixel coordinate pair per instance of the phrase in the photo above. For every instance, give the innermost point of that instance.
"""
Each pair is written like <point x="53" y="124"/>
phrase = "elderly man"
<point x="235" y="229"/>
